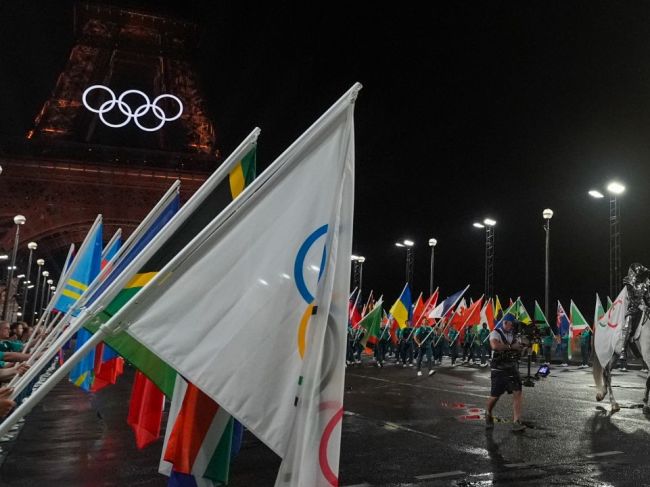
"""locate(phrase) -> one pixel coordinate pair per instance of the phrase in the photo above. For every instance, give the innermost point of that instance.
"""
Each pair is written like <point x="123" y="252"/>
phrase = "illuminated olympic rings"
<point x="126" y="110"/>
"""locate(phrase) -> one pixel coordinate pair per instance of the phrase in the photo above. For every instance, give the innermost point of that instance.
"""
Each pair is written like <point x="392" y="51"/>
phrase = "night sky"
<point x="469" y="110"/>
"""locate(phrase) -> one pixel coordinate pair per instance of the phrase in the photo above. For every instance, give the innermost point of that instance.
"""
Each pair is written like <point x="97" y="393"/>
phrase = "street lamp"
<point x="45" y="275"/>
<point x="31" y="246"/>
<point x="614" y="188"/>
<point x="408" y="245"/>
<point x="18" y="220"/>
<point x="40" y="263"/>
<point x="547" y="214"/>
<point x="49" y="289"/>
<point x="432" y="243"/>
<point x="488" y="224"/>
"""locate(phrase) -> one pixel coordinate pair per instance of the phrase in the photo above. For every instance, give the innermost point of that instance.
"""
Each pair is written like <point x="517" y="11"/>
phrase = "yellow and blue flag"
<point x="401" y="310"/>
<point x="85" y="271"/>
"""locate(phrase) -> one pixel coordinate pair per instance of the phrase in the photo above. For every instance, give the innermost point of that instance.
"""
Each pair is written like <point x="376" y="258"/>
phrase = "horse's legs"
<point x="607" y="373"/>
<point x="646" y="408"/>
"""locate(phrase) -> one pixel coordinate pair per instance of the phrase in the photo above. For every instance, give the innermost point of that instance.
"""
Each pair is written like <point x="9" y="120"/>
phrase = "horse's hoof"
<point x="615" y="407"/>
<point x="600" y="396"/>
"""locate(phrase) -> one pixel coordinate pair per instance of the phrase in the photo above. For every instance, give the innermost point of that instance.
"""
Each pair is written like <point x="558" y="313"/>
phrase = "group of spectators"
<point x="13" y="358"/>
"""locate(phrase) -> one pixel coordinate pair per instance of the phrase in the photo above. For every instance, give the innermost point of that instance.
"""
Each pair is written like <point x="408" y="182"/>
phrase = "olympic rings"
<point x="126" y="110"/>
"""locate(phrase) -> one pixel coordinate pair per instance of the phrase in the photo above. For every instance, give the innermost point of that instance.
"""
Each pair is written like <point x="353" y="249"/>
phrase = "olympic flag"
<point x="274" y="282"/>
<point x="608" y="333"/>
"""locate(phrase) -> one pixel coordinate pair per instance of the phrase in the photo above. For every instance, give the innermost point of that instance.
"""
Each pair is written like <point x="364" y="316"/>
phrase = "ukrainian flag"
<point x="401" y="310"/>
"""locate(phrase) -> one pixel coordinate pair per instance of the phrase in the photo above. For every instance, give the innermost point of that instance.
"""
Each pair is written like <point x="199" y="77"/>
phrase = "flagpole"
<point x="454" y="313"/>
<point x="138" y="261"/>
<point x="287" y="159"/>
<point x="68" y="271"/>
<point x="111" y="242"/>
<point x="63" y="278"/>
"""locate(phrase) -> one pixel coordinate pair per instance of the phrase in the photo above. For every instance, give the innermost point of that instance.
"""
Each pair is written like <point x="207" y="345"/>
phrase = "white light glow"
<point x="596" y="194"/>
<point x="409" y="243"/>
<point x="490" y="222"/>
<point x="478" y="225"/>
<point x="615" y="187"/>
<point x="263" y="282"/>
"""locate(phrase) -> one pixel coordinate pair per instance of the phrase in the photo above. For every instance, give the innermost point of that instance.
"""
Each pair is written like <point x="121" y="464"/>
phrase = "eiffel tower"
<point x="71" y="165"/>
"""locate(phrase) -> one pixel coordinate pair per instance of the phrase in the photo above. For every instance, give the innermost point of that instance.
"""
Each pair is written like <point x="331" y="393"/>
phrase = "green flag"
<point x="599" y="311"/>
<point x="520" y="312"/>
<point x="540" y="319"/>
<point x="371" y="323"/>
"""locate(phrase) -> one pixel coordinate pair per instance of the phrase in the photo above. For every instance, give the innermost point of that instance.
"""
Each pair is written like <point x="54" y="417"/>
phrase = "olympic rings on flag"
<point x="127" y="111"/>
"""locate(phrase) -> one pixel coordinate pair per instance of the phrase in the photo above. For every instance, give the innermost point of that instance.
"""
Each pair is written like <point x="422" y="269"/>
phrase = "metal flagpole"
<point x="129" y="271"/>
<point x="286" y="160"/>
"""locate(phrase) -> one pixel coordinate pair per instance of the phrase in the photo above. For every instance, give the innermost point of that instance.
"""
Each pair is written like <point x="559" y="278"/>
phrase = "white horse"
<point x="603" y="376"/>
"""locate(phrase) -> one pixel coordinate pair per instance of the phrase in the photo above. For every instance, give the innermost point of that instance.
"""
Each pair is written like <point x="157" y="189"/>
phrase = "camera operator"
<point x="505" y="374"/>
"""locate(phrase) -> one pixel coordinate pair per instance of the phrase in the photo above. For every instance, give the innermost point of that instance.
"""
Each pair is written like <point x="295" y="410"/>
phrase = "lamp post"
<point x="45" y="274"/>
<point x="547" y="214"/>
<point x="18" y="220"/>
<point x="432" y="243"/>
<point x="358" y="270"/>
<point x="614" y="188"/>
<point x="49" y="289"/>
<point x="31" y="246"/>
<point x="488" y="224"/>
<point x="408" y="245"/>
<point x="40" y="263"/>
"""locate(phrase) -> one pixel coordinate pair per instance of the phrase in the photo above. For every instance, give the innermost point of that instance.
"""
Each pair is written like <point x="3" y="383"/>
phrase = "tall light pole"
<point x="40" y="263"/>
<point x="547" y="214"/>
<point x="408" y="245"/>
<point x="488" y="224"/>
<point x="614" y="188"/>
<point x="50" y="287"/>
<point x="357" y="275"/>
<point x="45" y="275"/>
<point x="31" y="246"/>
<point x="432" y="243"/>
<point x="18" y="220"/>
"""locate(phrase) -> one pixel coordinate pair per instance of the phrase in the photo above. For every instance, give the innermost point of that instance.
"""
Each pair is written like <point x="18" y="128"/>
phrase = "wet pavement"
<point x="398" y="430"/>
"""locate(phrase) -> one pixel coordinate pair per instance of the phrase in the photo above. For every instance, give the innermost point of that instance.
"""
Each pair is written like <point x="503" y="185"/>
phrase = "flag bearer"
<point x="585" y="347"/>
<point x="484" y="343"/>
<point x="382" y="345"/>
<point x="453" y="345"/>
<point x="423" y="338"/>
<point x="406" y="345"/>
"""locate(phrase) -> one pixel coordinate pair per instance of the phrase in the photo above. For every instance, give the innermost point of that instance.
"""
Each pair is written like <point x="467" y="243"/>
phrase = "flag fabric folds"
<point x="608" y="335"/>
<point x="562" y="321"/>
<point x="577" y="324"/>
<point x="401" y="309"/>
<point x="198" y="436"/>
<point x="448" y="303"/>
<point x="540" y="319"/>
<point x="87" y="267"/>
<point x="294" y="326"/>
<point x="371" y="323"/>
<point x="145" y="410"/>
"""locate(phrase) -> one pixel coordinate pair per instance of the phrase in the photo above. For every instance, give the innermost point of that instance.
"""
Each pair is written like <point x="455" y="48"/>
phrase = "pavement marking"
<point x="392" y="426"/>
<point x="482" y="396"/>
<point x="603" y="454"/>
<point x="440" y="475"/>
<point x="518" y="465"/>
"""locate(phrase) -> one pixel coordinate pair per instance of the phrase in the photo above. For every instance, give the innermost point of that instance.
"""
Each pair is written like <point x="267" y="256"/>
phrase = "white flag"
<point x="269" y="279"/>
<point x="608" y="335"/>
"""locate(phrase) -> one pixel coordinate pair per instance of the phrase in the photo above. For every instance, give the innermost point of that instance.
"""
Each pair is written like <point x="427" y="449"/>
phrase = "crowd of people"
<point x="409" y="346"/>
<point x="13" y="358"/>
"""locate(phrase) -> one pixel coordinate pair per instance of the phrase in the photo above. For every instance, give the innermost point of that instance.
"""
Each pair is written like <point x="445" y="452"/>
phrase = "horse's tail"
<point x="599" y="379"/>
